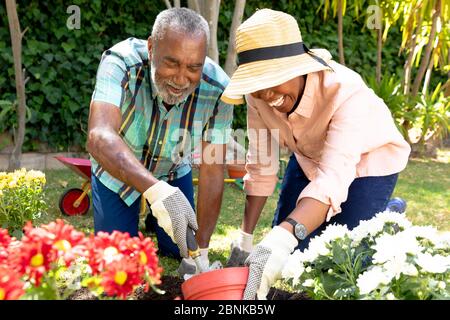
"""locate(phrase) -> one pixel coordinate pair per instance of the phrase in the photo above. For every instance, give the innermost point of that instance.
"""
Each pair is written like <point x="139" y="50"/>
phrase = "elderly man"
<point x="154" y="102"/>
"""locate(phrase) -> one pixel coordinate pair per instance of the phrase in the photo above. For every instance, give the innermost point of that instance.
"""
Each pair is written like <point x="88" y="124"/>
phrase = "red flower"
<point x="147" y="258"/>
<point x="5" y="240"/>
<point x="33" y="256"/>
<point x="104" y="248"/>
<point x="120" y="278"/>
<point x="68" y="243"/>
<point x="49" y="244"/>
<point x="11" y="287"/>
<point x="32" y="260"/>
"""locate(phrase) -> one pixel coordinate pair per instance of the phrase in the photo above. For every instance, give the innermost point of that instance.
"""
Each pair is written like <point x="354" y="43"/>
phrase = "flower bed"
<point x="383" y="258"/>
<point x="55" y="260"/>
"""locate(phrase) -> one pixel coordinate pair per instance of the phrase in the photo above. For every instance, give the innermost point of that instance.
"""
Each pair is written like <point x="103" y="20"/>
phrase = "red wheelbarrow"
<point x="76" y="201"/>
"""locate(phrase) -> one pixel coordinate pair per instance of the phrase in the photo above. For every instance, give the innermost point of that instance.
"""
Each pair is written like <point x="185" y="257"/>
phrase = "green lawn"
<point x="425" y="185"/>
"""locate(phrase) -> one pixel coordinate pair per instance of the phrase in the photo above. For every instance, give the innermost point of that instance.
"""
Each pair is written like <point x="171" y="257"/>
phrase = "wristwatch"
<point x="300" y="231"/>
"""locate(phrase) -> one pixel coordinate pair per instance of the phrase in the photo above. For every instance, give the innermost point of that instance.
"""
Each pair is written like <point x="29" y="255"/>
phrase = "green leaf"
<point x="48" y="57"/>
<point x="84" y="60"/>
<point x="339" y="254"/>
<point x="331" y="283"/>
<point x="68" y="46"/>
<point x="46" y="117"/>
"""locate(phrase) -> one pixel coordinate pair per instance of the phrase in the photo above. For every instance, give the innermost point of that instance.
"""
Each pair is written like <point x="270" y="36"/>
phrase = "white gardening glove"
<point x="266" y="262"/>
<point x="173" y="212"/>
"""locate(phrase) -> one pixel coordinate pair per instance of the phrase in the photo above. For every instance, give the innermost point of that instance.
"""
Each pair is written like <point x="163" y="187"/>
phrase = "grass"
<point x="424" y="184"/>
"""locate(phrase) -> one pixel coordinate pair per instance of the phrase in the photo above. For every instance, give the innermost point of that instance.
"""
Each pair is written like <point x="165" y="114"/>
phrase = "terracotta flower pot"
<point x="221" y="284"/>
<point x="236" y="171"/>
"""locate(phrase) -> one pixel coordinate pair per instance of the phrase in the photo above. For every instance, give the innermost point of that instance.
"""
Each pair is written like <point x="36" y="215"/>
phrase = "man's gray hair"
<point x="182" y="20"/>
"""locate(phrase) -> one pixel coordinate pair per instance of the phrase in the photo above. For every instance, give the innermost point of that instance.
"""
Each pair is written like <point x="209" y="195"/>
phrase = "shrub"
<point x="21" y="198"/>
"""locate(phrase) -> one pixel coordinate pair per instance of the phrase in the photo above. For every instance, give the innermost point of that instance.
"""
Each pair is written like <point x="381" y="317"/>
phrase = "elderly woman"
<point x="347" y="151"/>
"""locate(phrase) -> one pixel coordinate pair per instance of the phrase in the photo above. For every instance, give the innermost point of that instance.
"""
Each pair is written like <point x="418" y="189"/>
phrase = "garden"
<point x="59" y="258"/>
<point x="48" y="255"/>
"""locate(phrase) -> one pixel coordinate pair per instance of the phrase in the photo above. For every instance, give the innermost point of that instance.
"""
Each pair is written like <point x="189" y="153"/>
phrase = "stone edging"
<point x="40" y="161"/>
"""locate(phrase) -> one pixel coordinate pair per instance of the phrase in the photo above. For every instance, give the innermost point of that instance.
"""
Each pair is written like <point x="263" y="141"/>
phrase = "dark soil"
<point x="172" y="287"/>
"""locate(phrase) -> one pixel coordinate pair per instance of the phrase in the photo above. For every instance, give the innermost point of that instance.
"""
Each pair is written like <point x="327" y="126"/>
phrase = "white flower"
<point x="394" y="217"/>
<point x="441" y="285"/>
<point x="390" y="296"/>
<point x="310" y="254"/>
<point x="371" y="279"/>
<point x="396" y="267"/>
<point x="395" y="247"/>
<point x="335" y="231"/>
<point x="370" y="228"/>
<point x="426" y="232"/>
<point x="366" y="228"/>
<point x="315" y="249"/>
<point x="319" y="245"/>
<point x="308" y="283"/>
<point x="293" y="267"/>
<point x="433" y="264"/>
<point x="443" y="240"/>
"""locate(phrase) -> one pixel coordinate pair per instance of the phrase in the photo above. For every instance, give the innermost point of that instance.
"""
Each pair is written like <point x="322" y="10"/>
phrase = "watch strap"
<point x="294" y="223"/>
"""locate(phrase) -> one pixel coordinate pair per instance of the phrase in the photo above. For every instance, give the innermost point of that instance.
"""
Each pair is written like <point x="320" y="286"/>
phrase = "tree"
<point x="339" y="8"/>
<point x="422" y="32"/>
<point x="340" y="14"/>
<point x="209" y="9"/>
<point x="432" y="42"/>
<point x="230" y="63"/>
<point x="19" y="74"/>
<point x="411" y="33"/>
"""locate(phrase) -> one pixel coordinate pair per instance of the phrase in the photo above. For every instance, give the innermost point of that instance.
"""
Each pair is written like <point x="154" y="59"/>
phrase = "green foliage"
<point x="21" y="198"/>
<point x="7" y="115"/>
<point x="428" y="112"/>
<point x="433" y="115"/>
<point x="400" y="105"/>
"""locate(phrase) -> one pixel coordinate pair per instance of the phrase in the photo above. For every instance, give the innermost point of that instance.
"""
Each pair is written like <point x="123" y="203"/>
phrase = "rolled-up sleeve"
<point x="340" y="156"/>
<point x="111" y="81"/>
<point x="262" y="157"/>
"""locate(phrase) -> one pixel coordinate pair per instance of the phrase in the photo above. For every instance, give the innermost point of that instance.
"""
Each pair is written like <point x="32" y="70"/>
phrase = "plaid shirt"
<point x="163" y="141"/>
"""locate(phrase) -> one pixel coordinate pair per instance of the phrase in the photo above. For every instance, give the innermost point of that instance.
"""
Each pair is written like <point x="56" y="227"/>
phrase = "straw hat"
<point x="270" y="52"/>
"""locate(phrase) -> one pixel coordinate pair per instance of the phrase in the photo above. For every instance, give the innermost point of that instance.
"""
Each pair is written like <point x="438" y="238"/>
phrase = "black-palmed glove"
<point x="266" y="262"/>
<point x="173" y="212"/>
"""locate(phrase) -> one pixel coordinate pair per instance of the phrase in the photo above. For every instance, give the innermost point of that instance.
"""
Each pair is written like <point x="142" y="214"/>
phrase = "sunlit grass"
<point x="425" y="185"/>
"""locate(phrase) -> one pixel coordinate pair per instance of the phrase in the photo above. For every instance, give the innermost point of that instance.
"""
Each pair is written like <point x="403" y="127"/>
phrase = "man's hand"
<point x="266" y="262"/>
<point x="173" y="212"/>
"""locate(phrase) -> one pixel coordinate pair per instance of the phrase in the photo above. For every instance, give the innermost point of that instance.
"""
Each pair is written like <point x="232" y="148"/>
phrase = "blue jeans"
<point x="366" y="197"/>
<point x="112" y="213"/>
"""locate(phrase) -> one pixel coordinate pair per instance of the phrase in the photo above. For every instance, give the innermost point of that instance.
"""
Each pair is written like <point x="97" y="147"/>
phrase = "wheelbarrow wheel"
<point x="67" y="203"/>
